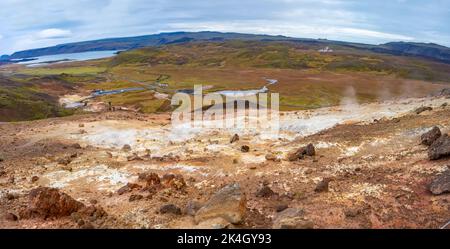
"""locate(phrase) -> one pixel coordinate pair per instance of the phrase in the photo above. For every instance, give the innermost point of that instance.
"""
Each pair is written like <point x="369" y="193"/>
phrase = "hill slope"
<point x="432" y="51"/>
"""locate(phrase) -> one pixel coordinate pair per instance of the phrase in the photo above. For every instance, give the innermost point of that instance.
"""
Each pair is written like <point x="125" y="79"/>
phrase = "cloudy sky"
<point x="26" y="24"/>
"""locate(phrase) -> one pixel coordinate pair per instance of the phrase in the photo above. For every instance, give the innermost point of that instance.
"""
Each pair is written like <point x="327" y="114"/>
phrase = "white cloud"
<point x="295" y="30"/>
<point x="54" y="33"/>
<point x="27" y="24"/>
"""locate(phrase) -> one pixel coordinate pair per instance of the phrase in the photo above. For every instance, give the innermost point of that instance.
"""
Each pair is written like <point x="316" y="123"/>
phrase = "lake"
<point x="59" y="58"/>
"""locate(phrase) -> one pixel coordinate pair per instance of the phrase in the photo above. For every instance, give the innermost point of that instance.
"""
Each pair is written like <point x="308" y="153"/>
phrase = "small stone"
<point x="439" y="148"/>
<point x="11" y="217"/>
<point x="64" y="160"/>
<point x="170" y="209"/>
<point x="76" y="146"/>
<point x="245" y="148"/>
<point x="429" y="137"/>
<point x="126" y="147"/>
<point x="81" y="125"/>
<point x="281" y="207"/>
<point x="265" y="192"/>
<point x="134" y="157"/>
<point x="423" y="109"/>
<point x="135" y="198"/>
<point x="235" y="138"/>
<point x="322" y="186"/>
<point x="310" y="150"/>
<point x="292" y="218"/>
<point x="441" y="184"/>
<point x="34" y="179"/>
<point x="128" y="188"/>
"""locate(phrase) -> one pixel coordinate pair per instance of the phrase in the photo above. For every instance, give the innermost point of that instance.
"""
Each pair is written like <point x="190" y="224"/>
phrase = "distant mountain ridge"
<point x="426" y="50"/>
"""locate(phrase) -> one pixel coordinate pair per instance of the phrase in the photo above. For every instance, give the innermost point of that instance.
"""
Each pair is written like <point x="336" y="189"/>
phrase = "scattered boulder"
<point x="439" y="148"/>
<point x="228" y="203"/>
<point x="292" y="218"/>
<point x="308" y="150"/>
<point x="423" y="109"/>
<point x="170" y="209"/>
<point x="126" y="147"/>
<point x="265" y="192"/>
<point x="322" y="186"/>
<point x="235" y="138"/>
<point x="245" y="148"/>
<point x="81" y="125"/>
<point x="429" y="137"/>
<point x="441" y="184"/>
<point x="50" y="202"/>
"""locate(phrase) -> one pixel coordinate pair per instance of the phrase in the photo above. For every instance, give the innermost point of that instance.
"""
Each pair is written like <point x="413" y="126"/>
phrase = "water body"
<point x="59" y="58"/>
<point x="110" y="92"/>
<point x="244" y="93"/>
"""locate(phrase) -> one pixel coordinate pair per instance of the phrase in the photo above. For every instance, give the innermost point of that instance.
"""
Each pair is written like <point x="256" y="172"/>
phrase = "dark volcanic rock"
<point x="431" y="136"/>
<point x="441" y="184"/>
<point x="170" y="209"/>
<point x="322" y="186"/>
<point x="440" y="148"/>
<point x="309" y="150"/>
<point x="50" y="202"/>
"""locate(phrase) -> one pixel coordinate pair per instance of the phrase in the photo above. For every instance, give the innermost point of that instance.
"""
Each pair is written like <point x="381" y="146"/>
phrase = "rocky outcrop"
<point x="440" y="148"/>
<point x="429" y="137"/>
<point x="47" y="202"/>
<point x="229" y="203"/>
<point x="441" y="184"/>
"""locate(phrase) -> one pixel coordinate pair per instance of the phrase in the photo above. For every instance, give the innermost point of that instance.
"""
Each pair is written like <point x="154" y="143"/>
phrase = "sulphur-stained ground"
<point x="369" y="169"/>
